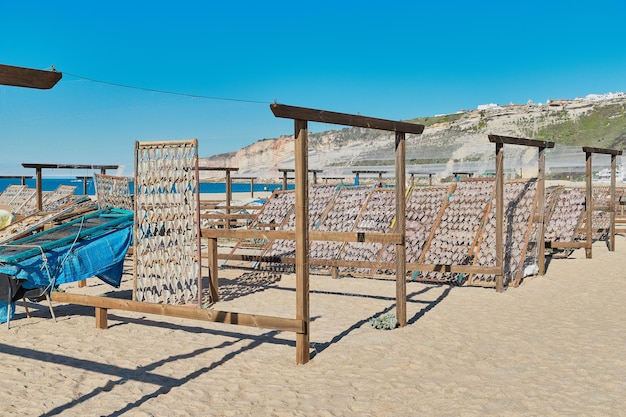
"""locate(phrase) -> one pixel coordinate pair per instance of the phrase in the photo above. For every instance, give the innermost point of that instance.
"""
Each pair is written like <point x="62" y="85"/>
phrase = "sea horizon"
<point x="52" y="183"/>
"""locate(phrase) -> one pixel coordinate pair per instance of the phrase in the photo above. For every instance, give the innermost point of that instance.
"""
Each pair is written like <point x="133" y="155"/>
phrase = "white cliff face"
<point x="460" y="140"/>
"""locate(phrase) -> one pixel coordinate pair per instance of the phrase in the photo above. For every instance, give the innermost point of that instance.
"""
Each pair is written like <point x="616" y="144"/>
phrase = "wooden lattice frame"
<point x="167" y="223"/>
<point x="113" y="191"/>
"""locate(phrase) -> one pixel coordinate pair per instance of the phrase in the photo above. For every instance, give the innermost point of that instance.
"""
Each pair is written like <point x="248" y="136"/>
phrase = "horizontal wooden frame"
<point x="520" y="141"/>
<point x="466" y="269"/>
<point x="285" y="170"/>
<point x="216" y="206"/>
<point x="218" y="169"/>
<point x="248" y="234"/>
<point x="589" y="149"/>
<point x="369" y="171"/>
<point x="391" y="238"/>
<point x="68" y="166"/>
<point x="567" y="245"/>
<point x="222" y="216"/>
<point x="185" y="312"/>
<point x="323" y="116"/>
<point x="28" y="77"/>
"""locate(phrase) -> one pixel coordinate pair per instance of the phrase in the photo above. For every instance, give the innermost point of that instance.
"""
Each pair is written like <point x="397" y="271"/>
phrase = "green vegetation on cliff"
<point x="602" y="127"/>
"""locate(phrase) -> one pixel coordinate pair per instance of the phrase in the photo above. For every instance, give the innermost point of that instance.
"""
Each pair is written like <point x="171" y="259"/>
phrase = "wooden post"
<point x="588" y="206"/>
<point x="400" y="228"/>
<point x="229" y="195"/>
<point x="285" y="180"/>
<point x="85" y="185"/>
<point x="612" y="205"/>
<point x="314" y="177"/>
<point x="302" y="237"/>
<point x="430" y="179"/>
<point x="101" y="318"/>
<point x="213" y="285"/>
<point x="412" y="179"/>
<point x="251" y="187"/>
<point x="38" y="186"/>
<point x="541" y="191"/>
<point x="500" y="216"/>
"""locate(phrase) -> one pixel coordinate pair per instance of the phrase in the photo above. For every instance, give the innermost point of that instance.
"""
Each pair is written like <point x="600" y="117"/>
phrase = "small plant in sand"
<point x="384" y="322"/>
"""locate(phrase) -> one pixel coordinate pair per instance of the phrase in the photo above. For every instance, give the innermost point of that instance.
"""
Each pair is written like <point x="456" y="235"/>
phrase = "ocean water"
<point x="51" y="184"/>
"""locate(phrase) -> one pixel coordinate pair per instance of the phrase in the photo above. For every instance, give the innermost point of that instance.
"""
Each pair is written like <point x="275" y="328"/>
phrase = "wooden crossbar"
<point x="185" y="312"/>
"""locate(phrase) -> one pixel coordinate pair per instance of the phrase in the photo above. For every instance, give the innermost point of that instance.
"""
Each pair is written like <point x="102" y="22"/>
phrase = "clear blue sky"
<point x="394" y="60"/>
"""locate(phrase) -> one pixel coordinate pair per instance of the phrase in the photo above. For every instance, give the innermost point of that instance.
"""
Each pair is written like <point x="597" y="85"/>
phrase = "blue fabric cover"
<point x="102" y="256"/>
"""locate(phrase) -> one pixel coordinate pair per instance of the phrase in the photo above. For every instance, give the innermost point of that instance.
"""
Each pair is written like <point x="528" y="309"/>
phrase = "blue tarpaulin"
<point x="98" y="254"/>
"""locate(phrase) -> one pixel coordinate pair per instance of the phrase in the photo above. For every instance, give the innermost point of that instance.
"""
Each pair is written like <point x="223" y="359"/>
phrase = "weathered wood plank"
<point x="395" y="238"/>
<point x="28" y="77"/>
<point x="248" y="234"/>
<point x="589" y="149"/>
<point x="567" y="245"/>
<point x="323" y="116"/>
<point x="520" y="141"/>
<point x="185" y="312"/>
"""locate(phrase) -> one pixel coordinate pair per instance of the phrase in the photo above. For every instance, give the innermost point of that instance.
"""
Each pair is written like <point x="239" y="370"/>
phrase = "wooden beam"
<point x="185" y="312"/>
<point x="465" y="269"/>
<point x="567" y="245"/>
<point x="335" y="263"/>
<point x="69" y="166"/>
<point x="390" y="238"/>
<point x="520" y="141"/>
<point x="248" y="234"/>
<point x="27" y="77"/>
<point x="589" y="149"/>
<point x="323" y="116"/>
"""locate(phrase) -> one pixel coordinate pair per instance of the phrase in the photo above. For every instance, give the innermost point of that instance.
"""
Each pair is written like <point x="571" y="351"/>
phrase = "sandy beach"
<point x="552" y="347"/>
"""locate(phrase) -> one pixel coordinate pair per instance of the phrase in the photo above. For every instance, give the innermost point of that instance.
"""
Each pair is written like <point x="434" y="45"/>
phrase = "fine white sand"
<point x="555" y="346"/>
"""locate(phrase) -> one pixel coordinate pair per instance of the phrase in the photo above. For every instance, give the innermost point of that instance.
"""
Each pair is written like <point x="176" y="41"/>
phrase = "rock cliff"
<point x="451" y="142"/>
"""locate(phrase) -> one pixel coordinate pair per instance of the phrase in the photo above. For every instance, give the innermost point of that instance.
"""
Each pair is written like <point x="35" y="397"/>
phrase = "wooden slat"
<point x="248" y="234"/>
<point x="224" y="216"/>
<point x="185" y="312"/>
<point x="469" y="269"/>
<point x="27" y="77"/>
<point x="395" y="238"/>
<point x="567" y="245"/>
<point x="323" y="116"/>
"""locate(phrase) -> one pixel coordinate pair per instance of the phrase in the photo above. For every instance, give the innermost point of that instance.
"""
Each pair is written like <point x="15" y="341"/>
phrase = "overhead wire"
<point x="153" y="90"/>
